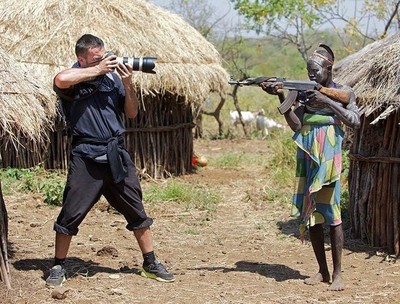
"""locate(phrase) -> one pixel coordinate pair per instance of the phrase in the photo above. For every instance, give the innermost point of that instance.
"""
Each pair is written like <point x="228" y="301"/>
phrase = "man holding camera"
<point x="93" y="99"/>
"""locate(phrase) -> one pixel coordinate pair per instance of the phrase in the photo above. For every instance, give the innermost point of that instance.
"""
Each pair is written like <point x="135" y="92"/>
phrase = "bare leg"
<point x="337" y="239"/>
<point x="317" y="241"/>
<point x="62" y="245"/>
<point x="145" y="239"/>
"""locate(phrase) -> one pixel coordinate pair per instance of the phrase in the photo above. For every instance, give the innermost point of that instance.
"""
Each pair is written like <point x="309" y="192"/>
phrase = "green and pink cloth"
<point x="319" y="163"/>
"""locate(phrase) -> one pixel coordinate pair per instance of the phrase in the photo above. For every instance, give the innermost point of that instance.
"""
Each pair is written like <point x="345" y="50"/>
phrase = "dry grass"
<point x="25" y="109"/>
<point x="373" y="73"/>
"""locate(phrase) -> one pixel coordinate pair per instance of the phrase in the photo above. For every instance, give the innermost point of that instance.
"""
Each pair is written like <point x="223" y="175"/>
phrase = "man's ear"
<point x="80" y="60"/>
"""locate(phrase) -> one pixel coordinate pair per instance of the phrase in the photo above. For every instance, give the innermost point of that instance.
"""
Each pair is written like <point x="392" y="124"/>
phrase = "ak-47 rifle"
<point x="297" y="89"/>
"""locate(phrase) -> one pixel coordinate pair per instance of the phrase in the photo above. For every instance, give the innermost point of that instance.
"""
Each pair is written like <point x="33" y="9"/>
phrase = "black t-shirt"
<point x="94" y="109"/>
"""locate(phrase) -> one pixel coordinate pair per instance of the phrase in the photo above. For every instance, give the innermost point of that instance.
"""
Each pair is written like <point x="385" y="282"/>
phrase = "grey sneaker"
<point x="56" y="277"/>
<point x="157" y="272"/>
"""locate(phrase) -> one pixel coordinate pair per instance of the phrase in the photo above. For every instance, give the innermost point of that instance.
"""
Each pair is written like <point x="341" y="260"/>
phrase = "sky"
<point x="350" y="7"/>
<point x="222" y="7"/>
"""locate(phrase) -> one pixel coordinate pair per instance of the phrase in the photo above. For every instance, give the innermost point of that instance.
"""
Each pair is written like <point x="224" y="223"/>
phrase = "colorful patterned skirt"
<point x="319" y="163"/>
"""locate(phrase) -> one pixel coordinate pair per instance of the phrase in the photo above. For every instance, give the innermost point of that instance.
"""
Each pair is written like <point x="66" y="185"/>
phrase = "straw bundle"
<point x="373" y="73"/>
<point x="25" y="109"/>
<point x="45" y="32"/>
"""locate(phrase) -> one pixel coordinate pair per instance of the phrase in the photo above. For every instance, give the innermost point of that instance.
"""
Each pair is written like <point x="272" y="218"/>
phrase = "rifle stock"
<point x="341" y="95"/>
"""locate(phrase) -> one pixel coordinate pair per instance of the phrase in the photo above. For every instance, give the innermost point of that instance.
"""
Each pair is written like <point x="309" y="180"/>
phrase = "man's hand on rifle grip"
<point x="317" y="99"/>
<point x="273" y="88"/>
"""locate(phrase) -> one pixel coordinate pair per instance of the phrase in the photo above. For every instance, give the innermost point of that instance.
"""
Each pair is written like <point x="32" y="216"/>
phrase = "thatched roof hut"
<point x="373" y="72"/>
<point x="45" y="32"/>
<point x="188" y="66"/>
<point x="25" y="109"/>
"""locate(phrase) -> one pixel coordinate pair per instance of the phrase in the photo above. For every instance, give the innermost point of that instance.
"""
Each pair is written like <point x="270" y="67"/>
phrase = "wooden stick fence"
<point x="374" y="183"/>
<point x="4" y="265"/>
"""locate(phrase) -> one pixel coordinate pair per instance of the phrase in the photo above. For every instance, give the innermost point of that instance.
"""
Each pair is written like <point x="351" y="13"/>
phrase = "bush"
<point x="37" y="180"/>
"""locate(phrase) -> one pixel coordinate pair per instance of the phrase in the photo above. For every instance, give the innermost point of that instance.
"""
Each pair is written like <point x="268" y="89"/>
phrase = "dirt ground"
<point x="247" y="251"/>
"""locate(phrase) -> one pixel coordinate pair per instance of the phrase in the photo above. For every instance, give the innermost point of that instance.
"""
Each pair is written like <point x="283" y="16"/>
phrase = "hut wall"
<point x="159" y="139"/>
<point x="24" y="154"/>
<point x="374" y="183"/>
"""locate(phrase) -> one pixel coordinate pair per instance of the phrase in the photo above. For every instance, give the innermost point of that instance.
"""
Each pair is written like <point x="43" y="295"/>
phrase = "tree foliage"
<point x="290" y="20"/>
<point x="299" y="22"/>
<point x="269" y="13"/>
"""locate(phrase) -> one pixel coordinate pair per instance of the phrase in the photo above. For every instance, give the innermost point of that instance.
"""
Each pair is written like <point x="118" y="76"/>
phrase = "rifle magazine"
<point x="289" y="101"/>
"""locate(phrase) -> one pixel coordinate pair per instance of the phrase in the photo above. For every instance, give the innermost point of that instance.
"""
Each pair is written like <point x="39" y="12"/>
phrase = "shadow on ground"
<point x="74" y="267"/>
<point x="290" y="228"/>
<point x="275" y="271"/>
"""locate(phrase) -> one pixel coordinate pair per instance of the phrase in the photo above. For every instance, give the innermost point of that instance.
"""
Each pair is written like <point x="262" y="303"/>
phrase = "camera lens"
<point x="144" y="64"/>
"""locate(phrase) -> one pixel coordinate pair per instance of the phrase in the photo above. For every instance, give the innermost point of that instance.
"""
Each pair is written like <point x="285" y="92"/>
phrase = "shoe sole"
<point x="54" y="286"/>
<point x="149" y="275"/>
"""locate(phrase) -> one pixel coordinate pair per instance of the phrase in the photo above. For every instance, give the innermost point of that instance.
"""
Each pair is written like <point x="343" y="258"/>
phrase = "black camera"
<point x="143" y="64"/>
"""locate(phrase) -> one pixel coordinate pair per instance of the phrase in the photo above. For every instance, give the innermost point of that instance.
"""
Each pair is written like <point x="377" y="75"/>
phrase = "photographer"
<point x="93" y="99"/>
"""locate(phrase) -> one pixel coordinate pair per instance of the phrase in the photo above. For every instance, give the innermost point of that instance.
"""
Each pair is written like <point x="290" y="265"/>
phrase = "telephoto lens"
<point x="143" y="64"/>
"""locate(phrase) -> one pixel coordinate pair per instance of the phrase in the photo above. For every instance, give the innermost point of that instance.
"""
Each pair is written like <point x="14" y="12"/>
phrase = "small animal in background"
<point x="263" y="123"/>
<point x="247" y="117"/>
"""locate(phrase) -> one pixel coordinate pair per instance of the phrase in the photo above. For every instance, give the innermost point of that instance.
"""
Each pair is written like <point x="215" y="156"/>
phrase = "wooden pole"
<point x="4" y="267"/>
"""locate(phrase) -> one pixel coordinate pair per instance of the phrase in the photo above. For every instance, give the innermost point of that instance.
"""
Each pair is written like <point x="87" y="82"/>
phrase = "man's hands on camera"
<point x="110" y="64"/>
<point x="125" y="71"/>
<point x="107" y="64"/>
<point x="273" y="88"/>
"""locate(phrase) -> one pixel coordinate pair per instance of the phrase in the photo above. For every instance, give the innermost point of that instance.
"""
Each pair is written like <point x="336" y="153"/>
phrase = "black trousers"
<point x="87" y="180"/>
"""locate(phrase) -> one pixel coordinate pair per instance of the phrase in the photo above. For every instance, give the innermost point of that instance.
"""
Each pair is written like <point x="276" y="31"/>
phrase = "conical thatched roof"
<point x="24" y="106"/>
<point x="373" y="73"/>
<point x="45" y="31"/>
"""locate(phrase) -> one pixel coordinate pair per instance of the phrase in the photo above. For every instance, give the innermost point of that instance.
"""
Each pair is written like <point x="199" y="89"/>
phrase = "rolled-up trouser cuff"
<point x="59" y="229"/>
<point x="135" y="226"/>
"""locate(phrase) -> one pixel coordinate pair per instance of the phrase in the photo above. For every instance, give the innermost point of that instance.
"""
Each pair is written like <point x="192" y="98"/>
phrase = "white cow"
<point x="263" y="123"/>
<point x="247" y="117"/>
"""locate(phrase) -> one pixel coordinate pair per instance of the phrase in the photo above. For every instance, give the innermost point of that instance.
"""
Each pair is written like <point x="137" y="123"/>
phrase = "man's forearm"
<point x="131" y="102"/>
<point x="72" y="76"/>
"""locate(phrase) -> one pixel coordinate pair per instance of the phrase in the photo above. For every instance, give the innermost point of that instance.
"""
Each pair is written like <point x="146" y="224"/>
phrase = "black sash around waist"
<point x="115" y="157"/>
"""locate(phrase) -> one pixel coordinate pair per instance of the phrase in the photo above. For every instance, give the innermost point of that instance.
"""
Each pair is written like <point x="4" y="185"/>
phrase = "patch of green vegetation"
<point x="37" y="180"/>
<point x="191" y="232"/>
<point x="230" y="160"/>
<point x="282" y="162"/>
<point x="190" y="197"/>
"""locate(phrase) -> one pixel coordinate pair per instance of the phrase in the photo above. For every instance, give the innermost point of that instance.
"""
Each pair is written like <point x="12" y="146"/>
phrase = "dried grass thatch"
<point x="373" y="73"/>
<point x="45" y="32"/>
<point x="25" y="108"/>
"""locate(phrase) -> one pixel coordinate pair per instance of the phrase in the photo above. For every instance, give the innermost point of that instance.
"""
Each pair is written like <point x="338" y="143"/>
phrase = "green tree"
<point x="289" y="20"/>
<point x="298" y="22"/>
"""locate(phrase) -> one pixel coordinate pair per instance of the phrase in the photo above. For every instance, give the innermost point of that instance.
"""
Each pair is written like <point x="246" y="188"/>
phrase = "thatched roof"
<point x="24" y="106"/>
<point x="46" y="31"/>
<point x="373" y="73"/>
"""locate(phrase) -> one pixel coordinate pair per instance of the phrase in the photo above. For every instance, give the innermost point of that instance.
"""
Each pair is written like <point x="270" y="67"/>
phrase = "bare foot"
<point x="317" y="278"/>
<point x="337" y="284"/>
